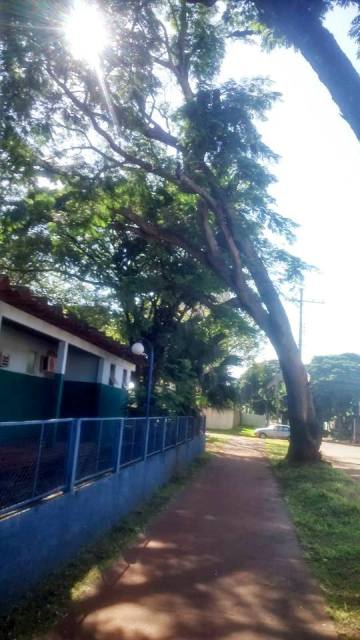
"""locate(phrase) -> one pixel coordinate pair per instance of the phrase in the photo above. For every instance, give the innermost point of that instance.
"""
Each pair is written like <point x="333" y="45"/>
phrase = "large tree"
<point x="299" y="23"/>
<point x="196" y="169"/>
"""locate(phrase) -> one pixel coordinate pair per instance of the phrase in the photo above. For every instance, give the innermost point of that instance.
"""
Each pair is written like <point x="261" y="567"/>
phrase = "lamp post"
<point x="138" y="349"/>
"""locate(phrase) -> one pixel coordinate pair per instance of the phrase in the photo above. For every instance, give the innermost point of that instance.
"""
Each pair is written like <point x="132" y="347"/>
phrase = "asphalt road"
<point x="343" y="456"/>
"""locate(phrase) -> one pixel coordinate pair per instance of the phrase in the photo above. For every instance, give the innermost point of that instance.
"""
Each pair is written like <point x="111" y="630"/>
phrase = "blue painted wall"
<point x="44" y="537"/>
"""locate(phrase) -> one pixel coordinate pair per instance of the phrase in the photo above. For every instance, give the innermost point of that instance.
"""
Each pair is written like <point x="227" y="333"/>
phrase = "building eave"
<point x="24" y="299"/>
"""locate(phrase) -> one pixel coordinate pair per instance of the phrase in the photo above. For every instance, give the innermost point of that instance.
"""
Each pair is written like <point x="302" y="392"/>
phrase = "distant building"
<point x="53" y="365"/>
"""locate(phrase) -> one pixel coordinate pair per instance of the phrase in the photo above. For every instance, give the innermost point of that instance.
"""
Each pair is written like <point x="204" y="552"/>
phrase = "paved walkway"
<point x="222" y="562"/>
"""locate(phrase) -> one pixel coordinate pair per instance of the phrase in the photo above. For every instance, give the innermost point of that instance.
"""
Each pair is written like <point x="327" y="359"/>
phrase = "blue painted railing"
<point x="42" y="458"/>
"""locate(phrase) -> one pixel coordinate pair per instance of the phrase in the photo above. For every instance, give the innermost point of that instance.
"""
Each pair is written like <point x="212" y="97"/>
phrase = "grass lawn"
<point x="324" y="504"/>
<point x="46" y="604"/>
<point x="236" y="431"/>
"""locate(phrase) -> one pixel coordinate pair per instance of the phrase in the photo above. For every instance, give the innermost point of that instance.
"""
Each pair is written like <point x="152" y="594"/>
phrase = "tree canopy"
<point x="335" y="380"/>
<point x="68" y="249"/>
<point x="207" y="146"/>
<point x="262" y="390"/>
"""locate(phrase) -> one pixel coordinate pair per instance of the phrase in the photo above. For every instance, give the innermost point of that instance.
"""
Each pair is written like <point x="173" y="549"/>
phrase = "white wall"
<point x="120" y="365"/>
<point x="252" y="420"/>
<point x="85" y="367"/>
<point x="26" y="319"/>
<point x="223" y="420"/>
<point x="226" y="420"/>
<point x="19" y="343"/>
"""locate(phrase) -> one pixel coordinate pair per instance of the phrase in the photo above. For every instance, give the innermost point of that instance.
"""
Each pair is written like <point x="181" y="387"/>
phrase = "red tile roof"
<point x="24" y="299"/>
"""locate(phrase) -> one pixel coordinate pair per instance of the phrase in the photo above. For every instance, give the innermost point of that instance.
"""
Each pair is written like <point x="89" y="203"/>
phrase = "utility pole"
<point x="301" y="302"/>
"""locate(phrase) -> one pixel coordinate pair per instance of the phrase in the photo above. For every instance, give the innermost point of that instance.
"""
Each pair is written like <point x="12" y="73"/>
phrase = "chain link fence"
<point x="40" y="458"/>
<point x="33" y="460"/>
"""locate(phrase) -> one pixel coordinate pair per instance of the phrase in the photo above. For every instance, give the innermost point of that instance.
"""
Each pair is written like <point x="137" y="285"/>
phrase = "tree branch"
<point x="242" y="34"/>
<point x="158" y="233"/>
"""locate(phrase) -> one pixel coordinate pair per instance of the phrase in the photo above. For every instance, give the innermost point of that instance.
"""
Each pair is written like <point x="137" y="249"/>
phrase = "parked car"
<point x="274" y="431"/>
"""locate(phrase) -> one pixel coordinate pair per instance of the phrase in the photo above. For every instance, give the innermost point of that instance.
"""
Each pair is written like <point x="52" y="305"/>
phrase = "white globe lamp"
<point x="138" y="349"/>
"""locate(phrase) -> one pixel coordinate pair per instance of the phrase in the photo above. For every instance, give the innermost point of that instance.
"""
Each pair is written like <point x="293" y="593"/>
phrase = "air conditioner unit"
<point x="48" y="364"/>
<point x="4" y="359"/>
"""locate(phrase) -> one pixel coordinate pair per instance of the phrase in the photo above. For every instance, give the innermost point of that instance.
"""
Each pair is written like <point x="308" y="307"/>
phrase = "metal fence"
<point x="41" y="458"/>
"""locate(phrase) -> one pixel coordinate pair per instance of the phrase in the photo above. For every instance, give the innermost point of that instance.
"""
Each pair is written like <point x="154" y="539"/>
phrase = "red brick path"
<point x="222" y="562"/>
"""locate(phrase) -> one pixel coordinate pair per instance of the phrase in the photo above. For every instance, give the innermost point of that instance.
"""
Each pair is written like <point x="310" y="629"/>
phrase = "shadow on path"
<point x="222" y="562"/>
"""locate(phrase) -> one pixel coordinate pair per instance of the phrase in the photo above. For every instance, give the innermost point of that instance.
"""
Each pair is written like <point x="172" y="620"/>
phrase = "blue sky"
<point x="318" y="186"/>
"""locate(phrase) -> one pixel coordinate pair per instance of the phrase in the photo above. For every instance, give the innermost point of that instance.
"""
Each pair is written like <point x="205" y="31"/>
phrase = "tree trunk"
<point x="305" y="435"/>
<point x="319" y="47"/>
<point x="305" y="429"/>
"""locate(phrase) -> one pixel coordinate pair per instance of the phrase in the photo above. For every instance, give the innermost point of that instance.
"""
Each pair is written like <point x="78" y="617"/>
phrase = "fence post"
<point x="119" y="447"/>
<point x="197" y="427"/>
<point x="73" y="453"/>
<point x="37" y="466"/>
<point x="147" y="434"/>
<point x="203" y="425"/>
<point x="99" y="445"/>
<point x="164" y="435"/>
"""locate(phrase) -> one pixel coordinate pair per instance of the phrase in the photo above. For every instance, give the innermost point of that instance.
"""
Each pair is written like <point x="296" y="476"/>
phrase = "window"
<point x="31" y="362"/>
<point x="4" y="359"/>
<point x="125" y="380"/>
<point x="48" y="363"/>
<point x="112" y="376"/>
